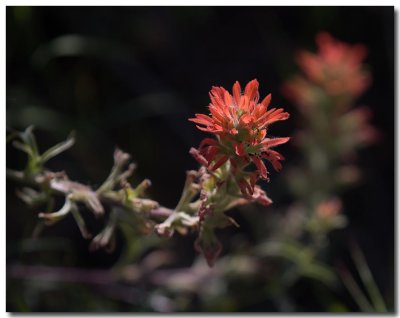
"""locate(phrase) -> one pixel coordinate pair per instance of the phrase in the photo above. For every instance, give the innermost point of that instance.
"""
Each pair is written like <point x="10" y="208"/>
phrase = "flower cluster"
<point x="333" y="78"/>
<point x="240" y="124"/>
<point x="337" y="66"/>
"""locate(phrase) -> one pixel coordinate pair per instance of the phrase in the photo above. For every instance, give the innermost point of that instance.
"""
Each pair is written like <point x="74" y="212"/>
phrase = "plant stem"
<point x="63" y="187"/>
<point x="355" y="291"/>
<point x="367" y="279"/>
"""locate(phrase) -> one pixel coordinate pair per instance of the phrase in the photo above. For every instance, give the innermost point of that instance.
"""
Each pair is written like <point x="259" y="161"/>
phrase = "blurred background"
<point x="131" y="77"/>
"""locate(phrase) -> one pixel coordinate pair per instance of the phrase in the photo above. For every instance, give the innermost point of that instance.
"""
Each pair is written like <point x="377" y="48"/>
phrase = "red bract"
<point x="240" y="124"/>
<point x="337" y="66"/>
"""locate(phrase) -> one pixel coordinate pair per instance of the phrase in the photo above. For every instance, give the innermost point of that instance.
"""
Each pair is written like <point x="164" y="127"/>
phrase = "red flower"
<point x="337" y="67"/>
<point x="240" y="124"/>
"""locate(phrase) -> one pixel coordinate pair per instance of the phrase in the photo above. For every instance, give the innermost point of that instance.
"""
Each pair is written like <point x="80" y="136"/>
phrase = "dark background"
<point x="131" y="76"/>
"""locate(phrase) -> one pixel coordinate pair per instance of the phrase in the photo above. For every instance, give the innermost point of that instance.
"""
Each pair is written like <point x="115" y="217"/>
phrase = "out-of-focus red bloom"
<point x="329" y="208"/>
<point x="240" y="124"/>
<point x="337" y="66"/>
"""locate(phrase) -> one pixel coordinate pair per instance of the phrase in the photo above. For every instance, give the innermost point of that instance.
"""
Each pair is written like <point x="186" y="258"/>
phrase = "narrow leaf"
<point x="59" y="148"/>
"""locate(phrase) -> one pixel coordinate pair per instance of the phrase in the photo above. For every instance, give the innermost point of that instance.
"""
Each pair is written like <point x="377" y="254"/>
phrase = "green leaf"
<point x="28" y="138"/>
<point x="59" y="148"/>
<point x="51" y="218"/>
<point x="367" y="279"/>
<point x="23" y="147"/>
<point x="319" y="272"/>
<point x="290" y="250"/>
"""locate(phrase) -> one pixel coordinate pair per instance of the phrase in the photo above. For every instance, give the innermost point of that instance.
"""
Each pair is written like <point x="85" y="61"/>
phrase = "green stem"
<point x="80" y="221"/>
<point x="188" y="192"/>
<point x="355" y="291"/>
<point x="367" y="279"/>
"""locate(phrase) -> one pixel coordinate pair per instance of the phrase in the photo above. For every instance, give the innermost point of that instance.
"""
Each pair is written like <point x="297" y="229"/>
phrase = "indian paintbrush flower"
<point x="336" y="68"/>
<point x="240" y="124"/>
